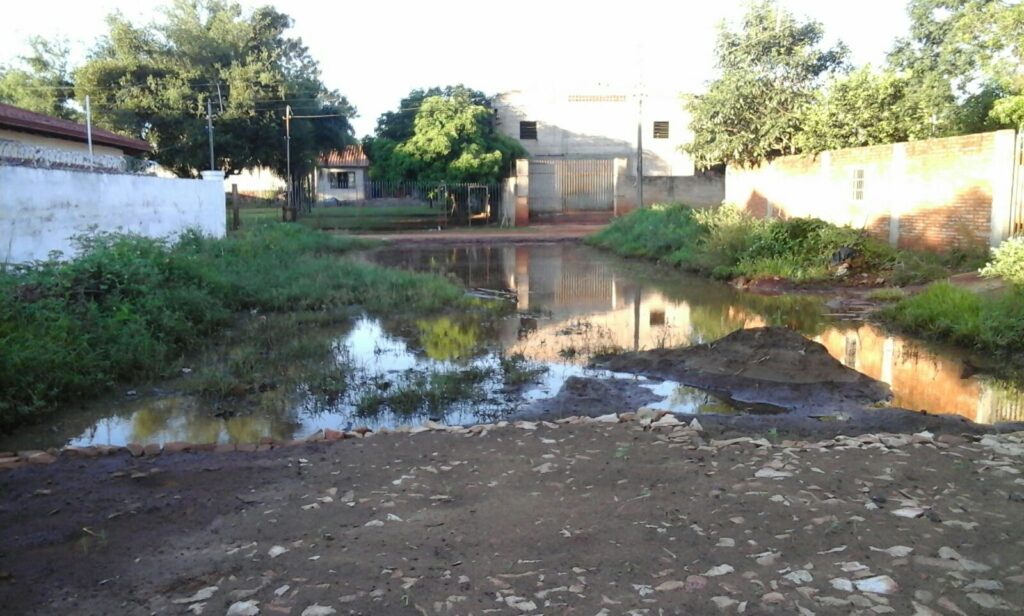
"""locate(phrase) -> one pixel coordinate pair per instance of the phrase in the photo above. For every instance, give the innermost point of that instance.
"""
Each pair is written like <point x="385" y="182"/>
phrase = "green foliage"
<point x="726" y="243"/>
<point x="452" y="138"/>
<point x="1007" y="262"/>
<point x="946" y="312"/>
<point x="424" y="392"/>
<point x="768" y="73"/>
<point x="863" y="108"/>
<point x="154" y="81"/>
<point x="955" y="46"/>
<point x="887" y="294"/>
<point x="128" y="306"/>
<point x="43" y="81"/>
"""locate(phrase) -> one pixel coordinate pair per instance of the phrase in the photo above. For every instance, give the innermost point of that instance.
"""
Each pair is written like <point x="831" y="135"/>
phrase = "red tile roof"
<point x="16" y="118"/>
<point x="350" y="156"/>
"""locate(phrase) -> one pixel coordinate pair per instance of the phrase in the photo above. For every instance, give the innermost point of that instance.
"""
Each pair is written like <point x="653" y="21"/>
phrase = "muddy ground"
<point x="766" y="365"/>
<point x="571" y="518"/>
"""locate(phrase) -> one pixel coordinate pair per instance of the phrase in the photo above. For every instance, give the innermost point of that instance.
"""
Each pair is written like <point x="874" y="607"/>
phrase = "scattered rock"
<point x="201" y="595"/>
<point x="319" y="610"/>
<point x="276" y="551"/>
<point x="719" y="570"/>
<point x="879" y="585"/>
<point x="244" y="608"/>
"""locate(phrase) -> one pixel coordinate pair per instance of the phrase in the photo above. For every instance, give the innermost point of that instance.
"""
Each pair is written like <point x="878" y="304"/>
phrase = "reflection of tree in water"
<point x="182" y="419"/>
<point x="447" y="339"/>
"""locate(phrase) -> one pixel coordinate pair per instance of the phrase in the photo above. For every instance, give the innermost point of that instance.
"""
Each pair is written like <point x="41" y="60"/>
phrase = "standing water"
<point x="570" y="303"/>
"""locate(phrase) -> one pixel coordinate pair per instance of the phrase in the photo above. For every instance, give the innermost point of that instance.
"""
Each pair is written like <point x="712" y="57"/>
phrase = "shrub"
<point x="128" y="306"/>
<point x="1007" y="262"/>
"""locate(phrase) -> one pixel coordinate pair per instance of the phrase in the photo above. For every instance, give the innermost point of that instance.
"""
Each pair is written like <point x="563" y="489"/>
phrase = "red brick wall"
<point x="941" y="190"/>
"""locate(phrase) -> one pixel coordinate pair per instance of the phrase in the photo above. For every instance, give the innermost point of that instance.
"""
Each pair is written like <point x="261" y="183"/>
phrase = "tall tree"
<point x="865" y="107"/>
<point x="965" y="62"/>
<point x="768" y="73"/>
<point x="155" y="81"/>
<point x="42" y="82"/>
<point x="453" y="137"/>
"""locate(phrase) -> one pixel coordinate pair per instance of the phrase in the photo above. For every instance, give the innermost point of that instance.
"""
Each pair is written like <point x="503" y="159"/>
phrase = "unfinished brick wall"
<point x="934" y="194"/>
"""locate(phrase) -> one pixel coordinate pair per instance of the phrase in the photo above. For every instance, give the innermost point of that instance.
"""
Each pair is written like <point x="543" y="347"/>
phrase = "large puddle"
<point x="570" y="303"/>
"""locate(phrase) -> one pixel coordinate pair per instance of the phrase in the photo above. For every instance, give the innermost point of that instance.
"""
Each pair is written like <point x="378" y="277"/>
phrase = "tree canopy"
<point x="441" y="134"/>
<point x="42" y="83"/>
<point x="768" y="75"/>
<point x="154" y="82"/>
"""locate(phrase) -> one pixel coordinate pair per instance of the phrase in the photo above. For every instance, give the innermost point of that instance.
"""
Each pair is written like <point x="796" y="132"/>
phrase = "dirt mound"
<point x="765" y="365"/>
<point x="590" y="397"/>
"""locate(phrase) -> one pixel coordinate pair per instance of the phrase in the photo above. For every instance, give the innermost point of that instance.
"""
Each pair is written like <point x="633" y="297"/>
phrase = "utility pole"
<point x="640" y="154"/>
<point x="209" y="129"/>
<point x="88" y="126"/>
<point x="288" y="155"/>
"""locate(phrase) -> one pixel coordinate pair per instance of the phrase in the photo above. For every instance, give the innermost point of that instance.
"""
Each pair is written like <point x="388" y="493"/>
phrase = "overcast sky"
<point x="375" y="51"/>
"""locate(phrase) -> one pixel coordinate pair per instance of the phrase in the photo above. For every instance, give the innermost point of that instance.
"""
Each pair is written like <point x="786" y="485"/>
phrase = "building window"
<point x="657" y="318"/>
<point x="661" y="130"/>
<point x="341" y="179"/>
<point x="857" y="185"/>
<point x="528" y="130"/>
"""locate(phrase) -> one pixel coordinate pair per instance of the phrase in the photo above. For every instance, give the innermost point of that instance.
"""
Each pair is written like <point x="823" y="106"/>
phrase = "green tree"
<point x="453" y="138"/>
<point x="43" y="81"/>
<point x="863" y="108"/>
<point x="154" y="81"/>
<point x="768" y="73"/>
<point x="964" y="59"/>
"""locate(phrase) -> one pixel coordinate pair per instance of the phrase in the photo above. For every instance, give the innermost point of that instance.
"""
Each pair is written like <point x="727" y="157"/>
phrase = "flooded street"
<point x="566" y="304"/>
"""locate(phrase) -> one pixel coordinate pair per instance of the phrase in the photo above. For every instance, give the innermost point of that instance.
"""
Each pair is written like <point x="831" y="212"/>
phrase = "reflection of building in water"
<point x="921" y="379"/>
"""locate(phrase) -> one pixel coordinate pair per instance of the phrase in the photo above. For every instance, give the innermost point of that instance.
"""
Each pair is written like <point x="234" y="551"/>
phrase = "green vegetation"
<point x="887" y="294"/>
<point x="990" y="322"/>
<point x="727" y="243"/>
<point x="129" y="307"/>
<point x="953" y="314"/>
<point x="441" y="134"/>
<point x="424" y="392"/>
<point x="955" y="72"/>
<point x="517" y="370"/>
<point x="375" y="218"/>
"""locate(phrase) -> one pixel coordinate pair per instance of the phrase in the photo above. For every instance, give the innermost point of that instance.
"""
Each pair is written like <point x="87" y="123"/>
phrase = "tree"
<point x="452" y="138"/>
<point x="43" y="83"/>
<point x="154" y="82"/>
<point x="964" y="61"/>
<point x="769" y="72"/>
<point x="863" y="108"/>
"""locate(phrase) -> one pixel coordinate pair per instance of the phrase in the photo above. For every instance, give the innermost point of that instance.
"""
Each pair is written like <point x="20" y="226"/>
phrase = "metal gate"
<point x="566" y="186"/>
<point x="1017" y="192"/>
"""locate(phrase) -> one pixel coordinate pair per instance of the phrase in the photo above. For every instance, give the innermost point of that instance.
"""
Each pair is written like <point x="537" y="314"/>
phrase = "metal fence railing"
<point x="29" y="155"/>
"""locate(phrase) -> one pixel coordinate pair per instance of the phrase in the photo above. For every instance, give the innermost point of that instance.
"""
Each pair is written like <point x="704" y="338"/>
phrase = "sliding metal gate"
<point x="566" y="186"/>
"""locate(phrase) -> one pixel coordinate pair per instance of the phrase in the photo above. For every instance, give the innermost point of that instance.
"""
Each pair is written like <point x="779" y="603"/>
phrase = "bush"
<point x="1007" y="262"/>
<point x="726" y="242"/>
<point x="128" y="306"/>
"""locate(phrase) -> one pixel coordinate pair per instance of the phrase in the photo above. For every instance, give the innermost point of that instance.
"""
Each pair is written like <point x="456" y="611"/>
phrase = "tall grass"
<point x="128" y="306"/>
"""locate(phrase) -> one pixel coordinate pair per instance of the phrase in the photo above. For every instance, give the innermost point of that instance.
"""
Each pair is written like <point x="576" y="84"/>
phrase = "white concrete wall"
<point x="42" y="209"/>
<point x="600" y="123"/>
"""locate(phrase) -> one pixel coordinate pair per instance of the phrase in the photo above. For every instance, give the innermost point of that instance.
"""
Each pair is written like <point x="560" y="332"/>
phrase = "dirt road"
<point x="571" y="518"/>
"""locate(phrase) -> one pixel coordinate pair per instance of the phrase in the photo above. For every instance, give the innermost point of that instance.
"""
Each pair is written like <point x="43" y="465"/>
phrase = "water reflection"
<point x="576" y="301"/>
<point x="571" y="302"/>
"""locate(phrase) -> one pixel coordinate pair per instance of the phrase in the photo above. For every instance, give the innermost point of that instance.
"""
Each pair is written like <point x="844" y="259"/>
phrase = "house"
<point x="341" y="175"/>
<point x="600" y="123"/>
<point x="585" y="148"/>
<point x="30" y="130"/>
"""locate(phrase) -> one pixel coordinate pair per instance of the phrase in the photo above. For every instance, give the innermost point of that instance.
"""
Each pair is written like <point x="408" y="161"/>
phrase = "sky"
<point x="376" y="51"/>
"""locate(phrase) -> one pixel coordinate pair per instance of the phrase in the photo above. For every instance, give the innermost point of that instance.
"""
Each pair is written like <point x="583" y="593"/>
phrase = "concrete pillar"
<point x="522" y="217"/>
<point x="1003" y="163"/>
<point x="624" y="200"/>
<point x="507" y="217"/>
<point x="897" y="191"/>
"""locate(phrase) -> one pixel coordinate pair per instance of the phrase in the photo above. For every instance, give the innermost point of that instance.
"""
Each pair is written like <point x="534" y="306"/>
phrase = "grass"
<point x="727" y="243"/>
<point x="423" y="392"/>
<point x="129" y="308"/>
<point x="374" y="218"/>
<point x="887" y="294"/>
<point x="952" y="314"/>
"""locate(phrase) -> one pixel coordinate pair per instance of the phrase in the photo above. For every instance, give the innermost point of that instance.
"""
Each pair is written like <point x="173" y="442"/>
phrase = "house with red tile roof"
<point x="341" y="175"/>
<point x="37" y="129"/>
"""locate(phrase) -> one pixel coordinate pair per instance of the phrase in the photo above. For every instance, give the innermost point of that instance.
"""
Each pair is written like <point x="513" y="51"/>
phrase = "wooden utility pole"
<point x="288" y="156"/>
<point x="236" y="220"/>
<point x="209" y="130"/>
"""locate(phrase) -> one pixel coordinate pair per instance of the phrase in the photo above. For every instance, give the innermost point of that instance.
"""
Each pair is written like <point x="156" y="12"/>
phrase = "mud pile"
<point x="762" y="366"/>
